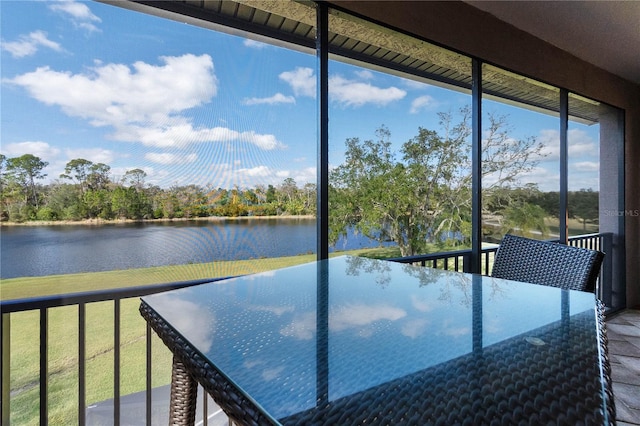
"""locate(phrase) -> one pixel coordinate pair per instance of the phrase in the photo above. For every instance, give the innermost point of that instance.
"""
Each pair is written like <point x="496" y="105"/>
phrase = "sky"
<point x="193" y="106"/>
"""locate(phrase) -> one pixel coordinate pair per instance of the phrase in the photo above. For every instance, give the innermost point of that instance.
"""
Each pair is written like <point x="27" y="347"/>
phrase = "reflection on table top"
<point x="345" y="337"/>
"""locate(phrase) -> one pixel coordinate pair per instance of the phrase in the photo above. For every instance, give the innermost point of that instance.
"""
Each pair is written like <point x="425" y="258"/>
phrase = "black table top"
<point x="354" y="340"/>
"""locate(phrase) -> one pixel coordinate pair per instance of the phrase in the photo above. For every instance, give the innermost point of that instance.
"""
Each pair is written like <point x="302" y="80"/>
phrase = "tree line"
<point x="417" y="197"/>
<point x="86" y="190"/>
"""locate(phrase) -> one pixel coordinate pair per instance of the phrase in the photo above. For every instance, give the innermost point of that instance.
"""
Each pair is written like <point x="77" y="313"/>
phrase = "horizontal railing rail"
<point x="57" y="300"/>
<point x="460" y="260"/>
<point x="455" y="260"/>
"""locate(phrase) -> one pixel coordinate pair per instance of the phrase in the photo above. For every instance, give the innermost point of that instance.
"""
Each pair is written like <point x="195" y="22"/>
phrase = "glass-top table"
<point x="360" y="341"/>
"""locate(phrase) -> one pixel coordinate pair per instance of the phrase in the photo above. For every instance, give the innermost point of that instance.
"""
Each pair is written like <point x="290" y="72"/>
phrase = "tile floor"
<point x="623" y="332"/>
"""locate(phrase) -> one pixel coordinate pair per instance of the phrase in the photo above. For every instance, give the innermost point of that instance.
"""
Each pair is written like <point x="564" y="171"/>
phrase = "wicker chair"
<point x="603" y="343"/>
<point x="547" y="263"/>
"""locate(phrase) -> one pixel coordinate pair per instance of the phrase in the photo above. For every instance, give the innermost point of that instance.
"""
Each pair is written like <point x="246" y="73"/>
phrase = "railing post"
<point x="81" y="364"/>
<point x="564" y="166"/>
<point x="44" y="366"/>
<point x="6" y="368"/>
<point x="606" y="274"/>
<point x="149" y="356"/>
<point x="116" y="362"/>
<point x="467" y="260"/>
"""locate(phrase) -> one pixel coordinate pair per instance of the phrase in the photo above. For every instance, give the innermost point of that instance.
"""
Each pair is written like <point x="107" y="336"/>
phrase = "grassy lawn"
<point x="63" y="334"/>
<point x="575" y="227"/>
<point x="63" y="360"/>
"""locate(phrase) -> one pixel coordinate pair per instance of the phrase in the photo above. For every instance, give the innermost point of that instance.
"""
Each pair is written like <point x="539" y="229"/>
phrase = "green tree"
<point x="135" y="178"/>
<point x="525" y="219"/>
<point x="271" y="196"/>
<point x="63" y="200"/>
<point x="98" y="203"/>
<point x="413" y="202"/>
<point x="23" y="171"/>
<point x="309" y="193"/>
<point x="584" y="206"/>
<point x="426" y="196"/>
<point x="549" y="201"/>
<point x="78" y="170"/>
<point x="98" y="178"/>
<point x="234" y="204"/>
<point x="120" y="202"/>
<point x="250" y="197"/>
<point x="3" y="168"/>
<point x="4" y="214"/>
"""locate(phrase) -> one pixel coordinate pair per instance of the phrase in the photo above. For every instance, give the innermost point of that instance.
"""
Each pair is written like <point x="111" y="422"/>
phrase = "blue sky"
<point x="189" y="105"/>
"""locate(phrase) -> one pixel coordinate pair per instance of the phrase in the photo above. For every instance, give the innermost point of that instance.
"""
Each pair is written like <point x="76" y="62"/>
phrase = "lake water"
<point x="61" y="249"/>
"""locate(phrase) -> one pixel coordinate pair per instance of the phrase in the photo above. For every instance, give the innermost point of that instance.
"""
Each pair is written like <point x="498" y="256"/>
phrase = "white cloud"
<point x="303" y="327"/>
<point x="272" y="309"/>
<point x="456" y="331"/>
<point x="270" y="374"/>
<point x="354" y="93"/>
<point x="550" y="139"/>
<point x="230" y="175"/>
<point x="301" y="80"/>
<point x="37" y="148"/>
<point x="342" y="90"/>
<point x="114" y="94"/>
<point x="448" y="329"/>
<point x="182" y="134"/>
<point x="546" y="179"/>
<point x="117" y="173"/>
<point x="357" y="315"/>
<point x="420" y="103"/>
<point x="415" y="85"/>
<point x="586" y="166"/>
<point x="27" y="45"/>
<point x="266" y="142"/>
<point x="254" y="44"/>
<point x="185" y="316"/>
<point x="580" y="144"/>
<point x="278" y="98"/>
<point x="78" y="12"/>
<point x="143" y="103"/>
<point x="414" y="328"/>
<point x="95" y="155"/>
<point x="258" y="171"/>
<point x="268" y="175"/>
<point x="305" y="175"/>
<point x="170" y="158"/>
<point x="421" y="304"/>
<point x="364" y="74"/>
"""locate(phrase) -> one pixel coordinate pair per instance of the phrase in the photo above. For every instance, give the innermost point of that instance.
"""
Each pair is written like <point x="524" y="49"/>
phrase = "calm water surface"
<point x="60" y="249"/>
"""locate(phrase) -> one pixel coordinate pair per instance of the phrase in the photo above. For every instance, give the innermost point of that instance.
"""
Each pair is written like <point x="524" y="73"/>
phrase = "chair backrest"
<point x="547" y="263"/>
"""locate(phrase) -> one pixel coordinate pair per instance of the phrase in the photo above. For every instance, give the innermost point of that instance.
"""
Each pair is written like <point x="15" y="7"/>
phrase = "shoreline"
<point x="100" y="222"/>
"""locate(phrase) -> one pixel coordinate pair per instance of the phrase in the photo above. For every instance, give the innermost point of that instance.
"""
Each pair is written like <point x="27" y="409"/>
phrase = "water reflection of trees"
<point x="381" y="269"/>
<point x="452" y="285"/>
